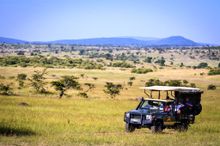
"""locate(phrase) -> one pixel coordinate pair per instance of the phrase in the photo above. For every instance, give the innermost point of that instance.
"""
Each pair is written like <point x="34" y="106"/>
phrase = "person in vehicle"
<point x="188" y="106"/>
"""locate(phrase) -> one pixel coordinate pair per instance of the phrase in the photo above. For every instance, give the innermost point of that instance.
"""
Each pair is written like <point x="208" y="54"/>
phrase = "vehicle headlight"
<point x="127" y="115"/>
<point x="148" y="117"/>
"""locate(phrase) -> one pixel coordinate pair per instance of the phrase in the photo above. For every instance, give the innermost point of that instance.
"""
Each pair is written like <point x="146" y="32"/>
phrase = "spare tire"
<point x="197" y="109"/>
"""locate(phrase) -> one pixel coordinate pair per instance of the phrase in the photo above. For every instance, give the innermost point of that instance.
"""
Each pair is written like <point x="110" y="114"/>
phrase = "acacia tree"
<point x="67" y="82"/>
<point x="90" y="86"/>
<point x="37" y="81"/>
<point x="112" y="89"/>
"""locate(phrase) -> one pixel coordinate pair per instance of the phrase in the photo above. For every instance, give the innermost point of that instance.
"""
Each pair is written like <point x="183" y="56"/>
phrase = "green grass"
<point x="87" y="122"/>
<point x="99" y="120"/>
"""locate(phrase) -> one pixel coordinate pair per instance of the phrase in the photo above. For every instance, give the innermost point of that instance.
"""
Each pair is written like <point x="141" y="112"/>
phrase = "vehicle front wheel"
<point x="129" y="127"/>
<point x="157" y="128"/>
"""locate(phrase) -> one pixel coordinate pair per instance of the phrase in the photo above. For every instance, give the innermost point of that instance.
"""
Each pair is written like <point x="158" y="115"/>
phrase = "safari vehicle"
<point x="176" y="111"/>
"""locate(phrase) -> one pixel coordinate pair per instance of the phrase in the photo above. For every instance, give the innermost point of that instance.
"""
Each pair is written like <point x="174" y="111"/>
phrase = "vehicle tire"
<point x="157" y="128"/>
<point x="129" y="128"/>
<point x="197" y="109"/>
<point x="182" y="127"/>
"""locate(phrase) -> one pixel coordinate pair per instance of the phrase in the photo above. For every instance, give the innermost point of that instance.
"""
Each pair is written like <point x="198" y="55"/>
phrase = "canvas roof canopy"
<point x="171" y="88"/>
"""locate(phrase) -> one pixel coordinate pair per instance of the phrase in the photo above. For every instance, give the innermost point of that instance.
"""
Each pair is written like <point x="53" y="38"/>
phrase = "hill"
<point x="115" y="41"/>
<point x="12" y="41"/>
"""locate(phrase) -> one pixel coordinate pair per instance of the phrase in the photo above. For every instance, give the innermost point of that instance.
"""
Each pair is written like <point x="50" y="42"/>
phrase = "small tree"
<point x="37" y="81"/>
<point x="21" y="78"/>
<point x="67" y="82"/>
<point x="5" y="89"/>
<point x="112" y="89"/>
<point x="90" y="86"/>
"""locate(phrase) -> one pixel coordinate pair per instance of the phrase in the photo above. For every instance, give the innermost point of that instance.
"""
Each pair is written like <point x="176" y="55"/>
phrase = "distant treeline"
<point x="48" y="62"/>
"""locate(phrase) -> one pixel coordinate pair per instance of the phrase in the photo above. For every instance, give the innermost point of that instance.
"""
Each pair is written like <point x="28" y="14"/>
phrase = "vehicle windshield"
<point x="152" y="106"/>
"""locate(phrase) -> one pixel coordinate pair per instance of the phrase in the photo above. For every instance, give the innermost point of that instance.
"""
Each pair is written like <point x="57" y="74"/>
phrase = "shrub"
<point x="122" y="64"/>
<point x="20" y="78"/>
<point x="192" y="85"/>
<point x="173" y="83"/>
<point x="161" y="61"/>
<point x="83" y="94"/>
<point x="130" y="83"/>
<point x="148" y="60"/>
<point x="215" y="71"/>
<point x="5" y="89"/>
<point x="95" y="78"/>
<point x="132" y="78"/>
<point x="211" y="87"/>
<point x="141" y="70"/>
<point x="181" y="65"/>
<point x="185" y="82"/>
<point x="157" y="82"/>
<point x="154" y="82"/>
<point x="202" y="65"/>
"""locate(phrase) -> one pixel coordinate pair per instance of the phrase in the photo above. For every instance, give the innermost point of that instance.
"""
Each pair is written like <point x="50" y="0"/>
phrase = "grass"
<point x="98" y="120"/>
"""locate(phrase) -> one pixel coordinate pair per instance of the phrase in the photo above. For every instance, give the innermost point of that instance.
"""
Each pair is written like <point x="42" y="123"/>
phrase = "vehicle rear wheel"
<point x="129" y="127"/>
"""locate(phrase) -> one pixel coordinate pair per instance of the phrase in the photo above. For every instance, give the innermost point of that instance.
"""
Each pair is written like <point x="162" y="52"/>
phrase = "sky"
<point x="46" y="20"/>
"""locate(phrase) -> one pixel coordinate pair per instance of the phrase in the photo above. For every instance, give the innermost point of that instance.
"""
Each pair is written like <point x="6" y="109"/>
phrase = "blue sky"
<point x="43" y="20"/>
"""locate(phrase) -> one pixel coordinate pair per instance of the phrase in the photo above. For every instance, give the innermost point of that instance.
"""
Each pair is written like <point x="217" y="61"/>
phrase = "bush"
<point x="5" y="89"/>
<point x="181" y="65"/>
<point x="20" y="79"/>
<point x="83" y="94"/>
<point x="141" y="70"/>
<point x="43" y="61"/>
<point x="157" y="82"/>
<point x="161" y="61"/>
<point x="202" y="65"/>
<point x="173" y="83"/>
<point x="132" y="78"/>
<point x="215" y="71"/>
<point x="130" y="83"/>
<point x="154" y="82"/>
<point x="192" y="85"/>
<point x="211" y="87"/>
<point x="122" y="64"/>
<point x="148" y="60"/>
